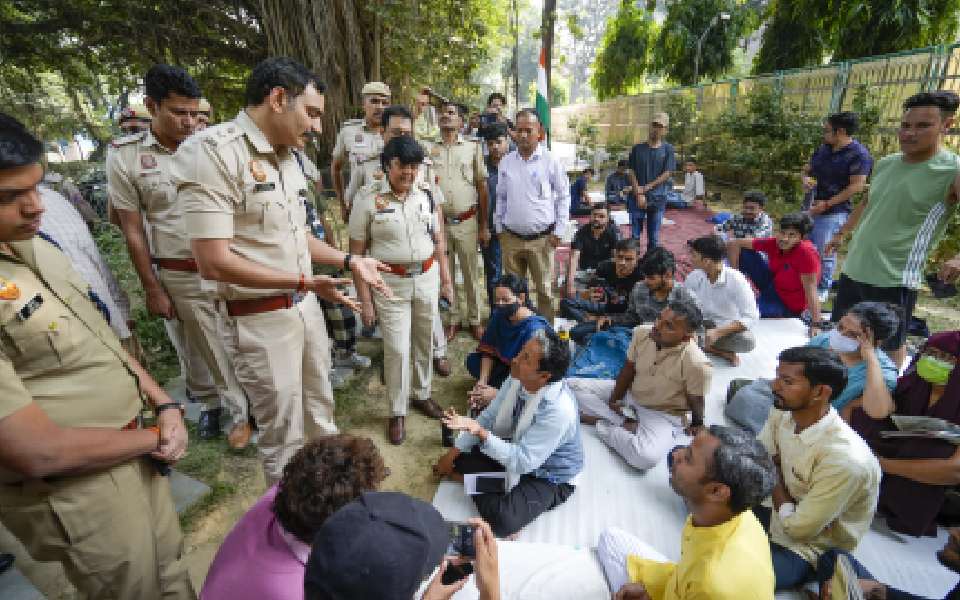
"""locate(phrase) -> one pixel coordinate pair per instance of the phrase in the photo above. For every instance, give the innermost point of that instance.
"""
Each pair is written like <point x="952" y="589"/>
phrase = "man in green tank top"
<point x="912" y="196"/>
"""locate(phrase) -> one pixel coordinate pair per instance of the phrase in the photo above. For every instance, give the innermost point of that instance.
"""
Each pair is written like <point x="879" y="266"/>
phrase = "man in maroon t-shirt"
<point x="787" y="280"/>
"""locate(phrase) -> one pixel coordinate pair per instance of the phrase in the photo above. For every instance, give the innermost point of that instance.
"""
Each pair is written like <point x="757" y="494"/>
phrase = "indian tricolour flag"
<point x="543" y="94"/>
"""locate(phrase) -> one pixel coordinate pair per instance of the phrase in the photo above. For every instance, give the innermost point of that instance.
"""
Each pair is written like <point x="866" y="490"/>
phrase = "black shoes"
<point x="6" y="561"/>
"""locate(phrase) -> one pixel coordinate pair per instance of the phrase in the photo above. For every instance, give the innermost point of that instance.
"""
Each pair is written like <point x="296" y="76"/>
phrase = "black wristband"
<point x="695" y="422"/>
<point x="162" y="407"/>
<point x="346" y="262"/>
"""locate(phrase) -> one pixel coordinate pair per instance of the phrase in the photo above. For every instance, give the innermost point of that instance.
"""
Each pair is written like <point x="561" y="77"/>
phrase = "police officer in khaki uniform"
<point x="463" y="178"/>
<point x="397" y="121"/>
<point x="395" y="219"/>
<point x="77" y="482"/>
<point x="142" y="195"/>
<point x="359" y="140"/>
<point x="242" y="191"/>
<point x="204" y="114"/>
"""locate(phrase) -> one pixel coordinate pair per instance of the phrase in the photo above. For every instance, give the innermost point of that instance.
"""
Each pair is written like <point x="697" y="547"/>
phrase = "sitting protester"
<point x="828" y="480"/>
<point x="579" y="200"/>
<point x="724" y="553"/>
<point x="512" y="323"/>
<point x="617" y="186"/>
<point x="657" y="289"/>
<point x="265" y="554"/>
<point x="693" y="188"/>
<point x="872" y="589"/>
<point x="389" y="546"/>
<point x="752" y="222"/>
<point x="726" y="299"/>
<point x="530" y="430"/>
<point x="917" y="472"/>
<point x="609" y="292"/>
<point x="788" y="279"/>
<point x="643" y="413"/>
<point x="592" y="244"/>
<point x="857" y="339"/>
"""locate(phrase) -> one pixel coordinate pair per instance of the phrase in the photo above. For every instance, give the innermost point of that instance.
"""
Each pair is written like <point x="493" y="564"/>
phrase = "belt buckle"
<point x="455" y="221"/>
<point x="297" y="297"/>
<point x="415" y="270"/>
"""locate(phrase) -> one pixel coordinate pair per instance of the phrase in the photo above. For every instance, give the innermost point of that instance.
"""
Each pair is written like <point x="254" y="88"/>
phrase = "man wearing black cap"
<point x="384" y="545"/>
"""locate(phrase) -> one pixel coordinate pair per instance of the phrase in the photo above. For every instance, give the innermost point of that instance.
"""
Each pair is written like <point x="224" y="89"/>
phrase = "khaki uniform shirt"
<point x="395" y="231"/>
<point x="833" y="476"/>
<point x="56" y="349"/>
<point x="664" y="378"/>
<point x="460" y="167"/>
<point x="138" y="179"/>
<point x="371" y="171"/>
<point x="233" y="185"/>
<point x="357" y="143"/>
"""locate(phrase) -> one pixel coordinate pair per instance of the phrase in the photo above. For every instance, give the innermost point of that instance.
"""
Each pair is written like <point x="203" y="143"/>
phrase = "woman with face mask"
<point x="512" y="323"/>
<point x="871" y="375"/>
<point x="917" y="472"/>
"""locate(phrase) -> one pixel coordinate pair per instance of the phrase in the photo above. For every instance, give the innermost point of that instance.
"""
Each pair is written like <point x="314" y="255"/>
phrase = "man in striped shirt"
<point x="913" y="194"/>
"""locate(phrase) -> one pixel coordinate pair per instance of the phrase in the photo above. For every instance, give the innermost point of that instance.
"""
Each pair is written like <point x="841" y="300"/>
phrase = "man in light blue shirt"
<point x="532" y="209"/>
<point x="530" y="430"/>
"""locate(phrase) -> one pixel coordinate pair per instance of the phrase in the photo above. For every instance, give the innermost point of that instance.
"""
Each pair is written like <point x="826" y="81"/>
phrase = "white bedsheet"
<point x="613" y="494"/>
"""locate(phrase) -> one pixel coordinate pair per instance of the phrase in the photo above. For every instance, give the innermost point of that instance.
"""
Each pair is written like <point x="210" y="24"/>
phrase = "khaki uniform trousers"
<point x="520" y="255"/>
<point x="196" y="336"/>
<point x="282" y="360"/>
<point x="115" y="532"/>
<point x="462" y="241"/>
<point x="406" y="321"/>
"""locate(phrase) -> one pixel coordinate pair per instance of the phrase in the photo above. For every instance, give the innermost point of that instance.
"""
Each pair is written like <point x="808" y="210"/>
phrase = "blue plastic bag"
<point x="604" y="355"/>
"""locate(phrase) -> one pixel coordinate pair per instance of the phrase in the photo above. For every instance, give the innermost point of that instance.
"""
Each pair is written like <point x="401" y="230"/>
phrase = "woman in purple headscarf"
<point x="917" y="472"/>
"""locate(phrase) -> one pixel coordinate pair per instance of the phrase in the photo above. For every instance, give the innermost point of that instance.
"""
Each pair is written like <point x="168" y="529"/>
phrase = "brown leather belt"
<point x="133" y="424"/>
<point x="408" y="271"/>
<point x="456" y="220"/>
<point x="242" y="308"/>
<point x="185" y="265"/>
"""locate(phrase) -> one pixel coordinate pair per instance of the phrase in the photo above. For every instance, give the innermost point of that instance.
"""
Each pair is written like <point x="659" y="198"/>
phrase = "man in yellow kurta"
<point x="724" y="553"/>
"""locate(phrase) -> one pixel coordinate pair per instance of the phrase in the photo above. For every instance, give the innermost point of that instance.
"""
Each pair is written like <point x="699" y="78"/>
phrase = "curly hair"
<point x="323" y="476"/>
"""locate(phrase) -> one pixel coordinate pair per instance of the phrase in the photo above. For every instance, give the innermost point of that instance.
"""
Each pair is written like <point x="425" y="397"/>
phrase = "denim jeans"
<point x="491" y="265"/>
<point x="653" y="215"/>
<point x="824" y="228"/>
<point x="789" y="568"/>
<point x="754" y="266"/>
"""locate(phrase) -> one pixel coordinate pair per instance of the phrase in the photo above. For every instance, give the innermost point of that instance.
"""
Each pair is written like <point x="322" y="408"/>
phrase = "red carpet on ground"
<point x="688" y="223"/>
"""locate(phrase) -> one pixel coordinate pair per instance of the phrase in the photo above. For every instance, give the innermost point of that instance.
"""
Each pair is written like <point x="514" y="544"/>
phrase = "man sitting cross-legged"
<point x="724" y="553"/>
<point x="642" y="414"/>
<point x="828" y="479"/>
<point x="729" y="306"/>
<point x="530" y="430"/>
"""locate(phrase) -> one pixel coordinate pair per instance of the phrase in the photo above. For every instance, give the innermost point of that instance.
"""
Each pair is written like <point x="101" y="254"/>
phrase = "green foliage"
<point x="586" y="133"/>
<point x="803" y="32"/>
<point x="623" y="59"/>
<point x="675" y="51"/>
<point x="682" y="108"/>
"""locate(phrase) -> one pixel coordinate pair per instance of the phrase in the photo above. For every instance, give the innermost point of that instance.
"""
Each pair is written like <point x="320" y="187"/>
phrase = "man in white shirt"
<point x="693" y="188"/>
<point x="532" y="209"/>
<point x="726" y="299"/>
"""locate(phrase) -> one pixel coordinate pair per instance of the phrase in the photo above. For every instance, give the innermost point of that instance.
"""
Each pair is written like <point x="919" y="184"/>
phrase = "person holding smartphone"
<point x="399" y="549"/>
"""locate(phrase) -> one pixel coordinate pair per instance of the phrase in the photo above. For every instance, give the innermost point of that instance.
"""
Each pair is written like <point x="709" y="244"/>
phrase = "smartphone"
<point x="443" y="304"/>
<point x="492" y="485"/>
<point x="461" y="540"/>
<point x="455" y="573"/>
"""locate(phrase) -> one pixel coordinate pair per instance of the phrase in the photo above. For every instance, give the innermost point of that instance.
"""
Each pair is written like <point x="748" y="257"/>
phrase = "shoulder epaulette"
<point x="128" y="139"/>
<point x="219" y="134"/>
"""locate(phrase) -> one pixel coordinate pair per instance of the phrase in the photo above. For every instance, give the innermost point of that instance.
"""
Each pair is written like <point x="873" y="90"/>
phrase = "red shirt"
<point x="787" y="267"/>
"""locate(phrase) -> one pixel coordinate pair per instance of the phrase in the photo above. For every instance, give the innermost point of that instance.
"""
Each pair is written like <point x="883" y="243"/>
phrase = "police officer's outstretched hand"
<point x="328" y="288"/>
<point x="173" y="437"/>
<point x="368" y="269"/>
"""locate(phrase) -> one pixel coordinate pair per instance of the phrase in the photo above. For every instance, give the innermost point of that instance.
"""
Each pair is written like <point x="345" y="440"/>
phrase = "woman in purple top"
<point x="917" y="472"/>
<point x="265" y="554"/>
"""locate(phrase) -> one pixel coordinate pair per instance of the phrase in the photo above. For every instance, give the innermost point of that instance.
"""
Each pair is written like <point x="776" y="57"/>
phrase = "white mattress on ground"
<point x="613" y="494"/>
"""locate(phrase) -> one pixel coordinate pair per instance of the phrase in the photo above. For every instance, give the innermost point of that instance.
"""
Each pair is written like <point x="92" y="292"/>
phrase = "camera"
<point x="461" y="540"/>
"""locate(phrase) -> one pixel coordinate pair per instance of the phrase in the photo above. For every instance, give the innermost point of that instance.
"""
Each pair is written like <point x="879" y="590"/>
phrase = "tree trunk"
<point x="333" y="39"/>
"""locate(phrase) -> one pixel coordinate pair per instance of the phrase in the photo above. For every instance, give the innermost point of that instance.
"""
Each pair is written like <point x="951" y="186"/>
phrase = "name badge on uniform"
<point x="148" y="162"/>
<point x="265" y="187"/>
<point x="30" y="307"/>
<point x="384" y="211"/>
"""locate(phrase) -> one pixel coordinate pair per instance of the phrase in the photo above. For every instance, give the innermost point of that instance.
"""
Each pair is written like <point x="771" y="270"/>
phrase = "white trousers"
<point x="657" y="432"/>
<point x="613" y="548"/>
